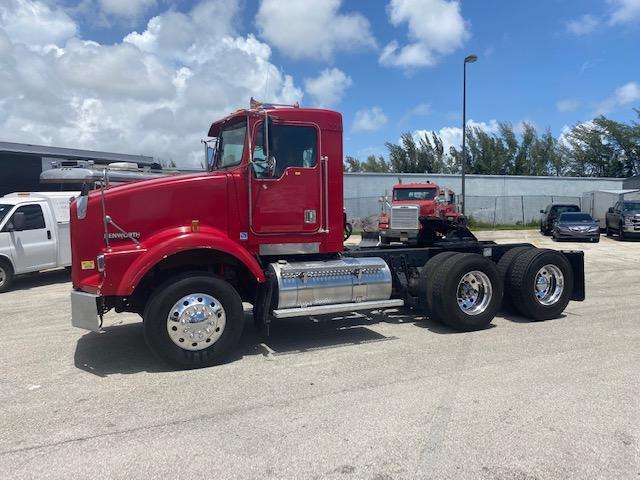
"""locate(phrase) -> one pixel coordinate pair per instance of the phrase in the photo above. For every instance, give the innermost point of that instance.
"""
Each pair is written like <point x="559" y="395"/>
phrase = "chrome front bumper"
<point x="84" y="311"/>
<point x="400" y="234"/>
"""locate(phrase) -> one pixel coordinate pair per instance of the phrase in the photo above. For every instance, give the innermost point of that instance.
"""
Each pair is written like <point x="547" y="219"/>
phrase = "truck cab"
<point x="34" y="233"/>
<point x="410" y="202"/>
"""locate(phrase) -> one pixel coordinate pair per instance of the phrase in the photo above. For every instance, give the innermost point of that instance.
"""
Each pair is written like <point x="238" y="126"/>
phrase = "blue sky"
<point x="550" y="62"/>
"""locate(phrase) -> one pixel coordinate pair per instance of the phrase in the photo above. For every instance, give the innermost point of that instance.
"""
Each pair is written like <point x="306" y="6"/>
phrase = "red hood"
<point x="144" y="208"/>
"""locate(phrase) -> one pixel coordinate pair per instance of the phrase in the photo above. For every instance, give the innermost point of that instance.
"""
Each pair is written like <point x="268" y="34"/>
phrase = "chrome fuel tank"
<point x="302" y="284"/>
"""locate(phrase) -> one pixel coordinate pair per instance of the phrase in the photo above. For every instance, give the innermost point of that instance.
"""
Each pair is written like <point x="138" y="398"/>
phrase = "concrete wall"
<point x="492" y="199"/>
<point x="359" y="185"/>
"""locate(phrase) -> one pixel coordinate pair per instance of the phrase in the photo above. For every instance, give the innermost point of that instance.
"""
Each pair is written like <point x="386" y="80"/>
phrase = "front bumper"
<point x="84" y="310"/>
<point x="633" y="228"/>
<point x="401" y="235"/>
<point x="577" y="235"/>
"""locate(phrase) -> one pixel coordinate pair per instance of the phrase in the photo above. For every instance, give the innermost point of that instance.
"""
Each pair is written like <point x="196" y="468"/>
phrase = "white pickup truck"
<point x="34" y="233"/>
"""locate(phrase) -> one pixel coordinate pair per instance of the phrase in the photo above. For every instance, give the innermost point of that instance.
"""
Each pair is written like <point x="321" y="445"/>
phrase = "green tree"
<point x="351" y="164"/>
<point x="376" y="165"/>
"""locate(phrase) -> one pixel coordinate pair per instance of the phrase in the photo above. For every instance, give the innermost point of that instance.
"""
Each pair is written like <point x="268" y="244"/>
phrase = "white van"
<point x="34" y="233"/>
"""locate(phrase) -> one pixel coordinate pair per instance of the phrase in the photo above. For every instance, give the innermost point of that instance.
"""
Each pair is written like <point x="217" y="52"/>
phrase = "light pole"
<point x="468" y="59"/>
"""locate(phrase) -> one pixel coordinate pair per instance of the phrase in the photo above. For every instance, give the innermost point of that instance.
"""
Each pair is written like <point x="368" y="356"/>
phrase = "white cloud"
<point x="625" y="11"/>
<point x="328" y="88"/>
<point x="583" y="25"/>
<point x="126" y="8"/>
<point x="155" y="93"/>
<point x="369" y="120"/>
<point x="312" y="29"/>
<point x="621" y="12"/>
<point x="435" y="28"/>
<point x="625" y="96"/>
<point x="567" y="105"/>
<point x="421" y="109"/>
<point x="35" y="23"/>
<point x="452" y="136"/>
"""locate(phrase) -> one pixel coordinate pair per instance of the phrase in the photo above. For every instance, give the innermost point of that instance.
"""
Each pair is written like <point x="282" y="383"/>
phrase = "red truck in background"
<point x="400" y="219"/>
<point x="264" y="225"/>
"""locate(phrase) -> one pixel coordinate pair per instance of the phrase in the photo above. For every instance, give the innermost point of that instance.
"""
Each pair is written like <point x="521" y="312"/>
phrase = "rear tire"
<point x="6" y="276"/>
<point x="212" y="313"/>
<point x="467" y="292"/>
<point x="425" y="286"/>
<point x="505" y="265"/>
<point x="540" y="284"/>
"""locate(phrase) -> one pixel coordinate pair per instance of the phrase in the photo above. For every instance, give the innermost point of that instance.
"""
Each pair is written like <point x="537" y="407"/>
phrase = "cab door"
<point x="286" y="188"/>
<point x="33" y="244"/>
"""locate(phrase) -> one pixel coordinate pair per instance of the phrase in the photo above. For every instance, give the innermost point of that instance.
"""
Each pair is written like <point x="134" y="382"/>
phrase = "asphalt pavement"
<point x="377" y="396"/>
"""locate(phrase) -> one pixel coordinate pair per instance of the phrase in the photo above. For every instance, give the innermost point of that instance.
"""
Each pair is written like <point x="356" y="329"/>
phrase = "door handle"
<point x="48" y="234"/>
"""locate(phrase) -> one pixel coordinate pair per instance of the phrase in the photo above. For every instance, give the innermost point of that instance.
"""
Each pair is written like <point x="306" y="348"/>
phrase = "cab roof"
<point x="415" y="185"/>
<point x="325" y="119"/>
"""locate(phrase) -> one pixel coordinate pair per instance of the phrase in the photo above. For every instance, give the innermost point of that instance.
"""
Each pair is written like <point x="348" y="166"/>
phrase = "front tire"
<point x="621" y="233"/>
<point x="540" y="284"/>
<point x="6" y="276"/>
<point x="467" y="292"/>
<point x="193" y="320"/>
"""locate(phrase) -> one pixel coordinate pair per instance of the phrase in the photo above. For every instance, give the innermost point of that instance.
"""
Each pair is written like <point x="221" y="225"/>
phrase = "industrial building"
<point x="21" y="164"/>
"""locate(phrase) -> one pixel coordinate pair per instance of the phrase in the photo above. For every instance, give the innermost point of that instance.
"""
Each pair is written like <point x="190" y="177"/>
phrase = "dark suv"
<point x="551" y="214"/>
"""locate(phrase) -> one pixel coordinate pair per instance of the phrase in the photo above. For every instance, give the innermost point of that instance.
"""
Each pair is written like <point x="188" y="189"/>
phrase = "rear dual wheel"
<point x="538" y="282"/>
<point x="461" y="290"/>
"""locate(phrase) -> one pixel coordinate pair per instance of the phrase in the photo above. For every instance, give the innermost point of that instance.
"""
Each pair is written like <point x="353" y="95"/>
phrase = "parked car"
<point x="34" y="233"/>
<point x="576" y="226"/>
<point x="551" y="214"/>
<point x="624" y="219"/>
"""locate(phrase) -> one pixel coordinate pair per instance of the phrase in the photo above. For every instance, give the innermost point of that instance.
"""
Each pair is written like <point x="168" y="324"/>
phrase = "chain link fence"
<point x="517" y="211"/>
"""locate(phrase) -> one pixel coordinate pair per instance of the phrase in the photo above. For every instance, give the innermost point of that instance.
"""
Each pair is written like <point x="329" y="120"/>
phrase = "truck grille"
<point x="404" y="217"/>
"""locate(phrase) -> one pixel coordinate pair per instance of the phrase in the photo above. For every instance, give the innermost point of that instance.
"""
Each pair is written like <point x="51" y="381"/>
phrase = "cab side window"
<point x="33" y="217"/>
<point x="293" y="146"/>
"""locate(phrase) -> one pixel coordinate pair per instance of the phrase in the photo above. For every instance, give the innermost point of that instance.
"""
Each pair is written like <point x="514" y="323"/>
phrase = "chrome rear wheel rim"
<point x="474" y="293"/>
<point x="196" y="321"/>
<point x="549" y="285"/>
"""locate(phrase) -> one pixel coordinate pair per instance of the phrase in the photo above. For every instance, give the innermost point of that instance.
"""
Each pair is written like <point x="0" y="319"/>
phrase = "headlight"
<point x="100" y="262"/>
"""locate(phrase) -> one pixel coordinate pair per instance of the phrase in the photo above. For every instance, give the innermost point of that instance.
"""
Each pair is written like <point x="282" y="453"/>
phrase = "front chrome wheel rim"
<point x="474" y="293"/>
<point x="3" y="276"/>
<point x="549" y="285"/>
<point x="196" y="321"/>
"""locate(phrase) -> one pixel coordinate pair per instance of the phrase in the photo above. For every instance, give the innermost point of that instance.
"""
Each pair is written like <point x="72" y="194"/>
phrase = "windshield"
<point x="231" y="145"/>
<point x="576" y="217"/>
<point x="565" y="208"/>
<point x="631" y="206"/>
<point x="4" y="209"/>
<point x="414" y="194"/>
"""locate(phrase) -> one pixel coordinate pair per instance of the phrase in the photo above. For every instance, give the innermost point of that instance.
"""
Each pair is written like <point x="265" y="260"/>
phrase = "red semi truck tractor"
<point x="264" y="225"/>
<point x="401" y="220"/>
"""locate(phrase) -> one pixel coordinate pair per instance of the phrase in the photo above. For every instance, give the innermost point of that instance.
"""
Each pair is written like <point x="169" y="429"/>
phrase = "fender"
<point x="174" y="240"/>
<point x="9" y="260"/>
